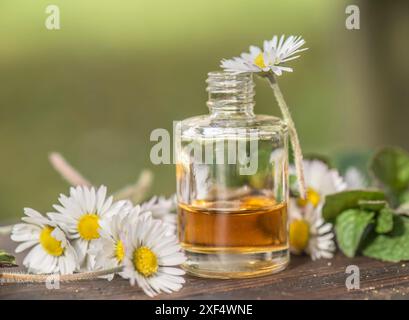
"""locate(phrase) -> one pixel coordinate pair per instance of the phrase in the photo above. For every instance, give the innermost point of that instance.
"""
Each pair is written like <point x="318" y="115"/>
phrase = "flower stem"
<point x="17" y="277"/>
<point x="295" y="142"/>
<point x="68" y="172"/>
<point x="136" y="192"/>
<point x="6" y="230"/>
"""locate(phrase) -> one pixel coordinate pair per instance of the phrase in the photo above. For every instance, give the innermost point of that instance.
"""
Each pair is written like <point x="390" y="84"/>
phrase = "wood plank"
<point x="303" y="279"/>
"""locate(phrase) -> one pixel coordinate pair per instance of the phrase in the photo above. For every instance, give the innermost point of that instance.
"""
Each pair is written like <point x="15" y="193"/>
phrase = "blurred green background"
<point x="95" y="89"/>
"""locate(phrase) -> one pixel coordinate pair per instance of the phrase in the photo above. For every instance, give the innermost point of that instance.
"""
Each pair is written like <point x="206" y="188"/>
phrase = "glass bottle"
<point x="232" y="184"/>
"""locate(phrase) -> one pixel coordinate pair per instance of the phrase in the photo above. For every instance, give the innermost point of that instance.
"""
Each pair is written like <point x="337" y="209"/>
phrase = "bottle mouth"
<point x="230" y="91"/>
<point x="230" y="82"/>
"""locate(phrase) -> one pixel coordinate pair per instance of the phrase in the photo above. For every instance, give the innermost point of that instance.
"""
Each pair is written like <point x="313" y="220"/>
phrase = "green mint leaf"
<point x="394" y="246"/>
<point x="350" y="227"/>
<point x="384" y="221"/>
<point x="6" y="259"/>
<point x="339" y="202"/>
<point x="404" y="197"/>
<point x="391" y="167"/>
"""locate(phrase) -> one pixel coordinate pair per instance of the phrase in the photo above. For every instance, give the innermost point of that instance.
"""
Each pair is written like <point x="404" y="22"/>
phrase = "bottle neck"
<point x="230" y="94"/>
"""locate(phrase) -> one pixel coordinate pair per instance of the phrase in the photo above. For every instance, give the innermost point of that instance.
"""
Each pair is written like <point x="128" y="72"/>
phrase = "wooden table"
<point x="303" y="279"/>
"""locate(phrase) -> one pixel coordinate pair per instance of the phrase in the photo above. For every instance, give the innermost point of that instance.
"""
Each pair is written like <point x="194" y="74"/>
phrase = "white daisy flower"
<point x="320" y="181"/>
<point x="109" y="249"/>
<point x="310" y="233"/>
<point x="52" y="252"/>
<point x="274" y="53"/>
<point x="151" y="257"/>
<point x="163" y="209"/>
<point x="355" y="179"/>
<point x="81" y="214"/>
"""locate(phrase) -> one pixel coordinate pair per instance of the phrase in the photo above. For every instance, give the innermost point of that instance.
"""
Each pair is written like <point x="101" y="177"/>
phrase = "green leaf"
<point x="339" y="202"/>
<point x="372" y="205"/>
<point x="404" y="197"/>
<point x="6" y="259"/>
<point x="384" y="221"/>
<point x="350" y="227"/>
<point x="391" y="167"/>
<point x="394" y="246"/>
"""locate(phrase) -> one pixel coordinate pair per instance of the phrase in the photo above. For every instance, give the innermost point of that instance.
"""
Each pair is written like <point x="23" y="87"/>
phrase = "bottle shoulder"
<point x="206" y="126"/>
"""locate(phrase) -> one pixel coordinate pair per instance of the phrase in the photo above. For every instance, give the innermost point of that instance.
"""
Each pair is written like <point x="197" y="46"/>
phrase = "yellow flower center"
<point x="145" y="261"/>
<point x="119" y="251"/>
<point x="299" y="235"/>
<point x="313" y="197"/>
<point x="88" y="226"/>
<point x="51" y="245"/>
<point x="259" y="61"/>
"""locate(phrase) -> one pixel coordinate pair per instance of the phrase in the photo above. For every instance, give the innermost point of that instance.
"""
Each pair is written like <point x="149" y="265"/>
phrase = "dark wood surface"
<point x="303" y="279"/>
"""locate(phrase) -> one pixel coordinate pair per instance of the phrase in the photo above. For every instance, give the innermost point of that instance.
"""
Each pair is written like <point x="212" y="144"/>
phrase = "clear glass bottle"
<point x="232" y="184"/>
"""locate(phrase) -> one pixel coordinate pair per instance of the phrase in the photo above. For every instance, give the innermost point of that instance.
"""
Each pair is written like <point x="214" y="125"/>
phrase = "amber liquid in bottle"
<point x="249" y="224"/>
